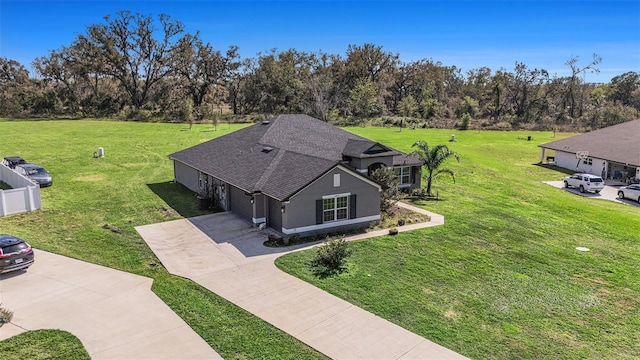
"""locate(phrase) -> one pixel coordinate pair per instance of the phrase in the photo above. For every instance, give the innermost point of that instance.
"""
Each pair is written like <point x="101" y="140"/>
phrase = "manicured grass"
<point x="501" y="279"/>
<point x="91" y="211"/>
<point x="43" y="345"/>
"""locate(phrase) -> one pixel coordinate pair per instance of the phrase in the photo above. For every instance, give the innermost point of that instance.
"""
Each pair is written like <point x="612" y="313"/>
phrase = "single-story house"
<point x="612" y="152"/>
<point x="294" y="173"/>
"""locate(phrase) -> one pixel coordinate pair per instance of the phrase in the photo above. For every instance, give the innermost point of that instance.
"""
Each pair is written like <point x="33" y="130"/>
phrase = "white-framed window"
<point x="404" y="174"/>
<point x="335" y="207"/>
<point x="200" y="180"/>
<point x="588" y="161"/>
<point x="336" y="180"/>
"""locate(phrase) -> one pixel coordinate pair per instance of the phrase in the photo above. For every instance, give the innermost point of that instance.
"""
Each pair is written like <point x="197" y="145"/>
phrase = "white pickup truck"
<point x="584" y="182"/>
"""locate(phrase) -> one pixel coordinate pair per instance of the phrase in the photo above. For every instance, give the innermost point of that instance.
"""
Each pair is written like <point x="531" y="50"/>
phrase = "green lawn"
<point x="130" y="186"/>
<point x="43" y="345"/>
<point x="502" y="279"/>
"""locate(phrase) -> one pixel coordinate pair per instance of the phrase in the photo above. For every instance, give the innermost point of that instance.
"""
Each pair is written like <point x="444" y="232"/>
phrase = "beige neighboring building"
<point x="612" y="152"/>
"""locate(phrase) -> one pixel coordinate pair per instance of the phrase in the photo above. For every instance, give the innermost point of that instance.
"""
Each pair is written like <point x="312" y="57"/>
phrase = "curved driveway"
<point x="115" y="314"/>
<point x="226" y="255"/>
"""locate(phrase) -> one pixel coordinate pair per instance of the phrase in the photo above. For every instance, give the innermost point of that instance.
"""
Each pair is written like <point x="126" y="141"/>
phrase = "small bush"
<point x="466" y="118"/>
<point x="330" y="258"/>
<point x="5" y="316"/>
<point x="393" y="231"/>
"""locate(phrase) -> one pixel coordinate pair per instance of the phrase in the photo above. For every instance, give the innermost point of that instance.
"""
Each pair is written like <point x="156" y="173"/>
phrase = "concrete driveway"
<point x="608" y="193"/>
<point x="225" y="254"/>
<point x="113" y="313"/>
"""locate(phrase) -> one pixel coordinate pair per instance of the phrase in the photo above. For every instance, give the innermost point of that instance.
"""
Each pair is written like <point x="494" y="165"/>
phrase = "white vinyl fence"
<point x="24" y="197"/>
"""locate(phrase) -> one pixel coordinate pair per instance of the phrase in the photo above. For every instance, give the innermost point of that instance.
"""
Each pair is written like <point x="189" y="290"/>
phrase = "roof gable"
<point x="347" y="170"/>
<point x="364" y="148"/>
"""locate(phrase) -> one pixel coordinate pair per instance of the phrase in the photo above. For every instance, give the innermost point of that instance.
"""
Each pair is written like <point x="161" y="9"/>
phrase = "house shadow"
<point x="552" y="166"/>
<point x="179" y="199"/>
<point x="227" y="228"/>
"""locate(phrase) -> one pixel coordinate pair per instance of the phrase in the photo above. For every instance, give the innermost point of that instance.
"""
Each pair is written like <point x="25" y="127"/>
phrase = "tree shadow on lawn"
<point x="180" y="199"/>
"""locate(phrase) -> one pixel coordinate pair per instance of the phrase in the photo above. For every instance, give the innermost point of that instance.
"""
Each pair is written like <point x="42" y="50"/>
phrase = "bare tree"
<point x="127" y="49"/>
<point x="574" y="96"/>
<point x="202" y="70"/>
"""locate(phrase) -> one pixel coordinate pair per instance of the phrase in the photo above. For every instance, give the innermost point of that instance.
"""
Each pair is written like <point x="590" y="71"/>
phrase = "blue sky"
<point x="467" y="34"/>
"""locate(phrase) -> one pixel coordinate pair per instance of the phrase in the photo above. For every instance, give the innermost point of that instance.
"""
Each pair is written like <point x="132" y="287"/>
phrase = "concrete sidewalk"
<point x="115" y="314"/>
<point x="242" y="270"/>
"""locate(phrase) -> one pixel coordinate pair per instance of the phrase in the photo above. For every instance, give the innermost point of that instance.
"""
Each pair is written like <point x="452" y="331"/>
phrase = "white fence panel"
<point x="24" y="197"/>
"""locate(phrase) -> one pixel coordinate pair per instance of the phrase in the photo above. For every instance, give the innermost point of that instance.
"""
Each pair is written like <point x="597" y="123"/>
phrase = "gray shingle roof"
<point x="406" y="160"/>
<point x="619" y="143"/>
<point x="302" y="149"/>
<point x="364" y="148"/>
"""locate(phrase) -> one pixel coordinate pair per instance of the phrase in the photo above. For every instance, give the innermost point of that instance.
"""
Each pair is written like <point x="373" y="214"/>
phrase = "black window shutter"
<point x="413" y="175"/>
<point x="319" y="211"/>
<point x="352" y="207"/>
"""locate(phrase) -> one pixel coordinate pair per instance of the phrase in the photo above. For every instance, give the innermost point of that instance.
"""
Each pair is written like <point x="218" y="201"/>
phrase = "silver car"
<point x="36" y="173"/>
<point x="630" y="192"/>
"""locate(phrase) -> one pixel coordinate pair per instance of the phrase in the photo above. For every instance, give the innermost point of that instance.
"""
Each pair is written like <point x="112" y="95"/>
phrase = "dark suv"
<point x="12" y="161"/>
<point x="15" y="254"/>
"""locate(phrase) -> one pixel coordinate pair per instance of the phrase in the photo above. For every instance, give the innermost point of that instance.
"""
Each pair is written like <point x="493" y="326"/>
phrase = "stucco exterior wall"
<point x="300" y="211"/>
<point x="568" y="161"/>
<point x="274" y="214"/>
<point x="417" y="180"/>
<point x="260" y="208"/>
<point x="220" y="190"/>
<point x="365" y="163"/>
<point x="186" y="175"/>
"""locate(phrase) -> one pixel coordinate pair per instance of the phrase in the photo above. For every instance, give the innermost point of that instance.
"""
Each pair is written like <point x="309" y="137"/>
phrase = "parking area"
<point x="115" y="314"/>
<point x="608" y="193"/>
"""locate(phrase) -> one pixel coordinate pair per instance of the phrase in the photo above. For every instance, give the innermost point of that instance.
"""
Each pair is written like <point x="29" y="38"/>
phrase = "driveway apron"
<point x="608" y="193"/>
<point x="115" y="314"/>
<point x="225" y="255"/>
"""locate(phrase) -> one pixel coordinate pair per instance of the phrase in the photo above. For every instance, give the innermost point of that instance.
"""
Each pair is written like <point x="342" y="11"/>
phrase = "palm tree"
<point x="432" y="159"/>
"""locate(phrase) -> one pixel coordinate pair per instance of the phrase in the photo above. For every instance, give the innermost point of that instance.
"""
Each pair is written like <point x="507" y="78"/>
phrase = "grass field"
<point x="43" y="345"/>
<point x="502" y="279"/>
<point x="130" y="186"/>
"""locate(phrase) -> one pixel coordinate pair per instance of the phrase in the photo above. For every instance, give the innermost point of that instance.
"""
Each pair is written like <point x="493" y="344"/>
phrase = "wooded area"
<point x="136" y="68"/>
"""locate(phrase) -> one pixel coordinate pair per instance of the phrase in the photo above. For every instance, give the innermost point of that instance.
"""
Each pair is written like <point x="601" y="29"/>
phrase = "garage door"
<point x="240" y="204"/>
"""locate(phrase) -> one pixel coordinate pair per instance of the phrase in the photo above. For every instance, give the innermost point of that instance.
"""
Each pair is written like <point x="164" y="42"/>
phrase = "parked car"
<point x="584" y="182"/>
<point x="15" y="254"/>
<point x="12" y="161"/>
<point x="630" y="192"/>
<point x="36" y="173"/>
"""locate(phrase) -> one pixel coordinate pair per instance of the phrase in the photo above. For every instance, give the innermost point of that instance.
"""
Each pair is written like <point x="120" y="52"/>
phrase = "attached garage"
<point x="240" y="203"/>
<point x="612" y="152"/>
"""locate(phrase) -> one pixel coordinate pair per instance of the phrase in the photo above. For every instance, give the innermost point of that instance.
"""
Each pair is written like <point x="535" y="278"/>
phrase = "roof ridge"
<point x="270" y="169"/>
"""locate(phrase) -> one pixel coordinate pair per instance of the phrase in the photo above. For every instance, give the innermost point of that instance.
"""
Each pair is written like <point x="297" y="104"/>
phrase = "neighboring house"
<point x="297" y="174"/>
<point x="612" y="152"/>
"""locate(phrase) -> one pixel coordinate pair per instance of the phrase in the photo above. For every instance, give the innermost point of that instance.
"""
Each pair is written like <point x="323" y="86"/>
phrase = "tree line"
<point x="138" y="67"/>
